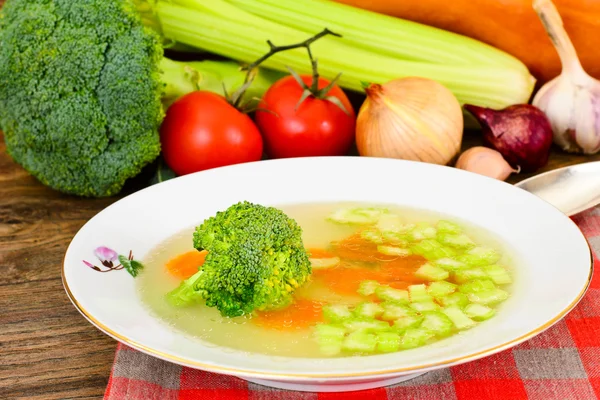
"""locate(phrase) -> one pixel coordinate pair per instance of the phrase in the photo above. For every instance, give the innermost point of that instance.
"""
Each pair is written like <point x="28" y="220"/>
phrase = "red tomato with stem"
<point x="315" y="126"/>
<point x="202" y="130"/>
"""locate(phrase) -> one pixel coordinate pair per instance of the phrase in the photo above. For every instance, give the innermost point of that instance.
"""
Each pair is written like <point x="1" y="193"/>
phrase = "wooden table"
<point x="47" y="349"/>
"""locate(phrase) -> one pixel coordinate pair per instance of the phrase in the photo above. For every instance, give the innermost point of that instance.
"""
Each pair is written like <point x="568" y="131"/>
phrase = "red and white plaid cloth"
<point x="562" y="363"/>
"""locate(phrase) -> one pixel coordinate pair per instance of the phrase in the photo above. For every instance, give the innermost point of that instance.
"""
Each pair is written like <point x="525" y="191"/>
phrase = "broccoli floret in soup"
<point x="256" y="260"/>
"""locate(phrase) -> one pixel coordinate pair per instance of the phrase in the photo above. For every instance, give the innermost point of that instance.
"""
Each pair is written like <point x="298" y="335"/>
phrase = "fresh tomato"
<point x="201" y="130"/>
<point x="314" y="127"/>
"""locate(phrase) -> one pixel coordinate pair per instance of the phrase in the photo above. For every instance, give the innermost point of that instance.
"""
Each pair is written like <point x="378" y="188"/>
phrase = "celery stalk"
<point x="420" y="306"/>
<point x="479" y="312"/>
<point x="431" y="273"/>
<point x="368" y="310"/>
<point x="379" y="33"/>
<point x="390" y="294"/>
<point x="454" y="299"/>
<point x="410" y="321"/>
<point x="437" y="322"/>
<point x="360" y="341"/>
<point x="392" y="311"/>
<point x="459" y="318"/>
<point x="418" y="293"/>
<point x="415" y="337"/>
<point x="224" y="29"/>
<point x="366" y="325"/>
<point x="367" y="288"/>
<point x="336" y="312"/>
<point x="393" y="251"/>
<point x="441" y="288"/>
<point x="211" y="75"/>
<point x="388" y="342"/>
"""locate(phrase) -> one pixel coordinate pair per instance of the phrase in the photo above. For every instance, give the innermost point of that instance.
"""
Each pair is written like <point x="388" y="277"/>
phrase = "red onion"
<point x="521" y="133"/>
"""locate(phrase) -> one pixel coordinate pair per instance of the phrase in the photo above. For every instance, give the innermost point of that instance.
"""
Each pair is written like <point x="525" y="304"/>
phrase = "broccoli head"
<point x="256" y="259"/>
<point x="80" y="92"/>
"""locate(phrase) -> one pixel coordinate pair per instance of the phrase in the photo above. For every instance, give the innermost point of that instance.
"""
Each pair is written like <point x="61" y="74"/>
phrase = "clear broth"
<point x="206" y="323"/>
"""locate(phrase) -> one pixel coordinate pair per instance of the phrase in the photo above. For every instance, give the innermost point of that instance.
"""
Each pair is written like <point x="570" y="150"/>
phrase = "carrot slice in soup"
<point x="301" y="314"/>
<point x="320" y="253"/>
<point x="355" y="248"/>
<point x="185" y="265"/>
<point x="346" y="279"/>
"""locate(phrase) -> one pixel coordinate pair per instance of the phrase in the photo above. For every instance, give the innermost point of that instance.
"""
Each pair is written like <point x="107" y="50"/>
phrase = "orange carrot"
<point x="320" y="253"/>
<point x="301" y="314"/>
<point x="355" y="248"/>
<point x="185" y="265"/>
<point x="345" y="279"/>
<point x="403" y="270"/>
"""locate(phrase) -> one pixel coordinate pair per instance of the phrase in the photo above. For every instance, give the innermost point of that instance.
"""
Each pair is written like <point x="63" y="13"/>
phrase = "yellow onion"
<point x="411" y="118"/>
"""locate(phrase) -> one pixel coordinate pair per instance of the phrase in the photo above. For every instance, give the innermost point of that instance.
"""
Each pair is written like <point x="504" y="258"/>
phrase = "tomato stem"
<point x="314" y="90"/>
<point x="236" y="97"/>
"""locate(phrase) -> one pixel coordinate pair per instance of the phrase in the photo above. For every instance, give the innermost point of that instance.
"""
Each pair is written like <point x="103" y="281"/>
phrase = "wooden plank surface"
<point x="47" y="349"/>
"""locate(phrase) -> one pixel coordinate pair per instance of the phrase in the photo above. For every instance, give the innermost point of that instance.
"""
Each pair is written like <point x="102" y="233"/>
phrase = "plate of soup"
<point x="327" y="273"/>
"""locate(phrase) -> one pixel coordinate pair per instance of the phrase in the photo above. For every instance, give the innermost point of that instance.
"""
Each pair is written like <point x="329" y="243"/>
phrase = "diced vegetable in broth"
<point x="360" y="341"/>
<point x="324" y="262"/>
<point x="454" y="299"/>
<point x="393" y="311"/>
<point x="372" y="235"/>
<point x="384" y="293"/>
<point x="393" y="251"/>
<point x="427" y="305"/>
<point x="367" y="288"/>
<point x="392" y="223"/>
<point x="357" y="215"/>
<point x="415" y="337"/>
<point x="465" y="275"/>
<point x="384" y="279"/>
<point x="437" y="322"/>
<point x="388" y="342"/>
<point x="441" y="289"/>
<point x="336" y="312"/>
<point x="430" y="272"/>
<point x="368" y="310"/>
<point x="459" y="241"/>
<point x="418" y="293"/>
<point x="449" y="263"/>
<point x="479" y="312"/>
<point x="444" y="226"/>
<point x="410" y="321"/>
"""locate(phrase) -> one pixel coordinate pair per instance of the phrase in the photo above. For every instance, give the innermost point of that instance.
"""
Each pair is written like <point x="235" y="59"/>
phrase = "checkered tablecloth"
<point x="562" y="363"/>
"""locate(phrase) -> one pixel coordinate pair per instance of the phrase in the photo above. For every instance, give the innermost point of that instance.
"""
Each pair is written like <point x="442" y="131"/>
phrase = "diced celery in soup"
<point x="384" y="279"/>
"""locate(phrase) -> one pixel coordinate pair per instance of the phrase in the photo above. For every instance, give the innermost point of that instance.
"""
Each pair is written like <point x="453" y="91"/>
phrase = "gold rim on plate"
<point x="267" y="375"/>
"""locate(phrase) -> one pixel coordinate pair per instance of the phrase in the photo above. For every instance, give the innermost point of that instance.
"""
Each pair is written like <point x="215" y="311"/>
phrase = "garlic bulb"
<point x="485" y="161"/>
<point x="572" y="100"/>
<point x="412" y="119"/>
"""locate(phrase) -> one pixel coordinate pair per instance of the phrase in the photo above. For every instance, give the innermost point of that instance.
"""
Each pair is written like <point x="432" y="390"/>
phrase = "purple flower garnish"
<point x="105" y="254"/>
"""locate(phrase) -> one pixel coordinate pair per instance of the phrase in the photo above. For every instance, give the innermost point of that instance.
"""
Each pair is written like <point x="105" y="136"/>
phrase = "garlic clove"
<point x="485" y="161"/>
<point x="572" y="100"/>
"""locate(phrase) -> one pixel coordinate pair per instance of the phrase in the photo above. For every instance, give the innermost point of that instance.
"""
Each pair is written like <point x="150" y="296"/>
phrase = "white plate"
<point x="554" y="256"/>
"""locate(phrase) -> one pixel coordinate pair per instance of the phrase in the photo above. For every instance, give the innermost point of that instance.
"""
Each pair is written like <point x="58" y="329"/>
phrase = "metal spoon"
<point x="570" y="189"/>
